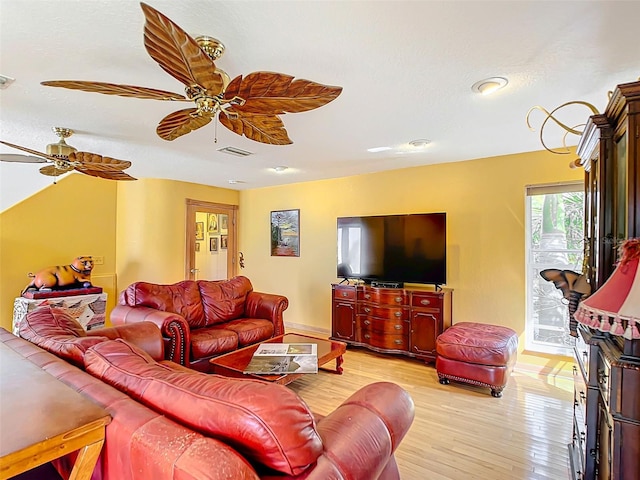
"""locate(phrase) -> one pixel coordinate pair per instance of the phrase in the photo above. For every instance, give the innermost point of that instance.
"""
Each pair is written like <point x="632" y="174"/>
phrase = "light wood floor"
<point x="460" y="431"/>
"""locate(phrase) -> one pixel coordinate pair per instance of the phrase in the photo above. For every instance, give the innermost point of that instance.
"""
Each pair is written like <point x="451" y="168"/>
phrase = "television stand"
<point x="401" y="321"/>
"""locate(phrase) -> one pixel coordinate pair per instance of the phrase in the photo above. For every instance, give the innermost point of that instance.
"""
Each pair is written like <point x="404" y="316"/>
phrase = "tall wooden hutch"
<point x="606" y="433"/>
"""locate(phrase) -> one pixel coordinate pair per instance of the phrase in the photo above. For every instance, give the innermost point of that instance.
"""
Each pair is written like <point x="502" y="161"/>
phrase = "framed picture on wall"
<point x="213" y="244"/>
<point x="285" y="233"/>
<point x="197" y="246"/>
<point x="224" y="222"/>
<point x="223" y="241"/>
<point x="213" y="225"/>
<point x="199" y="230"/>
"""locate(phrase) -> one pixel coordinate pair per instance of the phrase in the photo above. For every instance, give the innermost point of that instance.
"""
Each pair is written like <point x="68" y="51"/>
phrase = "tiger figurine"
<point x="61" y="277"/>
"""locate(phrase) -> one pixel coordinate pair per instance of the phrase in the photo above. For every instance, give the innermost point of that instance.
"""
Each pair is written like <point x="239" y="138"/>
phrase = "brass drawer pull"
<point x="398" y="342"/>
<point x="425" y="302"/>
<point x="367" y="336"/>
<point x="345" y="294"/>
<point x="367" y="309"/>
<point x="398" y="299"/>
<point x="398" y="327"/>
<point x="367" y="296"/>
<point x="367" y="322"/>
<point x="398" y="314"/>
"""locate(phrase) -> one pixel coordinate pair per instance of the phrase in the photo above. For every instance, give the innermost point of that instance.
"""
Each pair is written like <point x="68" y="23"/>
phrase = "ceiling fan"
<point x="64" y="158"/>
<point x="248" y="106"/>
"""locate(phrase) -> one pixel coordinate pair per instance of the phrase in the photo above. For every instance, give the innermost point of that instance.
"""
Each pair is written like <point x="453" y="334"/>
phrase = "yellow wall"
<point x="77" y="216"/>
<point x="485" y="205"/>
<point x="151" y="235"/>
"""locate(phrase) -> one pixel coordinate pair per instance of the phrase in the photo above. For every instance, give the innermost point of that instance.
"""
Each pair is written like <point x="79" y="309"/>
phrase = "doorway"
<point x="211" y="245"/>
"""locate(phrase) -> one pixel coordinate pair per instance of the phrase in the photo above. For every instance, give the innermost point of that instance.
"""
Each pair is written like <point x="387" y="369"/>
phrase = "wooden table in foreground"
<point x="233" y="364"/>
<point x="42" y="419"/>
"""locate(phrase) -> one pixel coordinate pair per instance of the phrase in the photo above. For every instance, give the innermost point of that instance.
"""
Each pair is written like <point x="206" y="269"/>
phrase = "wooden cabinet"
<point x="606" y="417"/>
<point x="404" y="321"/>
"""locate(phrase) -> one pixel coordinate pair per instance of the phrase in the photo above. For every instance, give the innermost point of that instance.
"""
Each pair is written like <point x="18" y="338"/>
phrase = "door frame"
<point x="194" y="206"/>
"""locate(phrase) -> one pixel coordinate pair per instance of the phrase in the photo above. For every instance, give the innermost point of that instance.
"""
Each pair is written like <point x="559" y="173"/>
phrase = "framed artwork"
<point x="213" y="226"/>
<point x="223" y="241"/>
<point x="199" y="230"/>
<point x="224" y="223"/>
<point x="197" y="246"/>
<point x="285" y="233"/>
<point x="213" y="244"/>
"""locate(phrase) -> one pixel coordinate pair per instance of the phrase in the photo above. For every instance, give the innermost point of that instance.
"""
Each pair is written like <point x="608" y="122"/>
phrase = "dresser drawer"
<point x="604" y="378"/>
<point x="383" y="340"/>
<point x="579" y="396"/>
<point x="426" y="300"/>
<point x="398" y="313"/>
<point x="582" y="352"/>
<point x="394" y="327"/>
<point x="344" y="293"/>
<point x="383" y="296"/>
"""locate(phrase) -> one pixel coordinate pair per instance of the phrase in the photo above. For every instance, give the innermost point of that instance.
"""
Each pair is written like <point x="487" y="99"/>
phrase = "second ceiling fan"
<point x="249" y="106"/>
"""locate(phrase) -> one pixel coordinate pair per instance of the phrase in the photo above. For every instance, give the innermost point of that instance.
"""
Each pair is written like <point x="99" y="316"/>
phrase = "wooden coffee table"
<point x="233" y="364"/>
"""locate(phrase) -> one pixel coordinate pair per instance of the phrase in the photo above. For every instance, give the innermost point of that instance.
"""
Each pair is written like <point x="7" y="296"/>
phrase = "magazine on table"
<point x="275" y="358"/>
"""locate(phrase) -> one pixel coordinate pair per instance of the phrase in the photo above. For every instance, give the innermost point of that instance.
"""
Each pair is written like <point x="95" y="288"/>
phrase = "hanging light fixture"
<point x="615" y="307"/>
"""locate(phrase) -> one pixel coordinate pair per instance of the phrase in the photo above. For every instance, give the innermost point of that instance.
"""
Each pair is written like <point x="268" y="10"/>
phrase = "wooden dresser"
<point x="606" y="417"/>
<point x="403" y="321"/>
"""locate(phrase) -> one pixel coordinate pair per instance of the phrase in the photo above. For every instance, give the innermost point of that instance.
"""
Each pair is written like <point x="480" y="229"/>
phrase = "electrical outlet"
<point x="98" y="260"/>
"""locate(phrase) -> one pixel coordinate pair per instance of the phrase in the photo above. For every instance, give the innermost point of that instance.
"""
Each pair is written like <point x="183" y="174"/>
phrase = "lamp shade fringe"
<point x="615" y="307"/>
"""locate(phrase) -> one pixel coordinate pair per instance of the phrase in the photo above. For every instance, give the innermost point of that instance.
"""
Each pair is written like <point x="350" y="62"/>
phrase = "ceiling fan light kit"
<point x="249" y="106"/>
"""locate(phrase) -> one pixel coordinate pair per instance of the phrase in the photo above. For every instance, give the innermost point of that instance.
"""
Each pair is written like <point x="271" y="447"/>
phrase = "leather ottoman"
<point x="477" y="353"/>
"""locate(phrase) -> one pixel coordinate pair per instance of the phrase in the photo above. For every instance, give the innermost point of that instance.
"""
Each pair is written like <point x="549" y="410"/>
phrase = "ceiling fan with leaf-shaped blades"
<point x="64" y="158"/>
<point x="248" y="106"/>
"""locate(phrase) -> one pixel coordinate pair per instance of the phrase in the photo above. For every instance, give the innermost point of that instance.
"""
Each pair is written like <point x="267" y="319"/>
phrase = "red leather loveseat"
<point x="202" y="319"/>
<point x="170" y="422"/>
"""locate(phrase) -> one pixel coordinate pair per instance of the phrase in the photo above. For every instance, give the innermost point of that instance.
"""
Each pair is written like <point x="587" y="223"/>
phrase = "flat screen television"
<point x="408" y="248"/>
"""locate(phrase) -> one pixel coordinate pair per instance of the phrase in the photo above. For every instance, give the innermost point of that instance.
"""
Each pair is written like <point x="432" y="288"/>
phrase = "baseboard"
<point x="306" y="328"/>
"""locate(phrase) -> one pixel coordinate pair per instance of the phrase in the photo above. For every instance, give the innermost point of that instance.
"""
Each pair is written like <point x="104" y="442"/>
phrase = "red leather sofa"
<point x="202" y="319"/>
<point x="171" y="422"/>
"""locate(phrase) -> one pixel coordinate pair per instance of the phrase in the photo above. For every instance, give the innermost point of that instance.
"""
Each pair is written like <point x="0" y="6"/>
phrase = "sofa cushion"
<point x="250" y="330"/>
<point x="211" y="341"/>
<point x="224" y="300"/>
<point x="182" y="298"/>
<point x="266" y="422"/>
<point x="54" y="330"/>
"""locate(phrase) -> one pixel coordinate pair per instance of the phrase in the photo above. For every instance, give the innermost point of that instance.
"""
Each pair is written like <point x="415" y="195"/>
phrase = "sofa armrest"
<point x="144" y="335"/>
<point x="174" y="328"/>
<point x="361" y="435"/>
<point x="268" y="306"/>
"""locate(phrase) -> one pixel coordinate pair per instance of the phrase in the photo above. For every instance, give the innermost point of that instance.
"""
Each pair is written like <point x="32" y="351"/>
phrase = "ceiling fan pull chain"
<point x="215" y="133"/>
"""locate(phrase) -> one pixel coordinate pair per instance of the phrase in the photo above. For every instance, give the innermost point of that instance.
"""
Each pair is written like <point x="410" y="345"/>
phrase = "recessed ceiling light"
<point x="281" y="168"/>
<point x="419" y="143"/>
<point x="233" y="182"/>
<point x="378" y="149"/>
<point x="5" y="81"/>
<point x="489" y="85"/>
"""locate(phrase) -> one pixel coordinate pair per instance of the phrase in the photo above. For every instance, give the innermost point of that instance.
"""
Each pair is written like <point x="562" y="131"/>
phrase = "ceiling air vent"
<point x="235" y="151"/>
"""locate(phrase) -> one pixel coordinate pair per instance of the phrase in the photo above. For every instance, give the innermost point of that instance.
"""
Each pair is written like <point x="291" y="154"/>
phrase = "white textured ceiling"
<point x="406" y="68"/>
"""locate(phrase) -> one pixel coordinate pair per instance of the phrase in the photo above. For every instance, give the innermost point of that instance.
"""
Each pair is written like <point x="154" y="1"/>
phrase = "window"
<point x="555" y="239"/>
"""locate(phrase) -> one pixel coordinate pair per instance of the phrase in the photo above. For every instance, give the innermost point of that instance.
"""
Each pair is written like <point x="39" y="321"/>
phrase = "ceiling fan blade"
<point x="260" y="128"/>
<point x="33" y="152"/>
<point x="11" y="157"/>
<point x="109" y="175"/>
<point x="55" y="171"/>
<point x="178" y="54"/>
<point x="94" y="161"/>
<point x="115" y="89"/>
<point x="180" y="123"/>
<point x="270" y="93"/>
